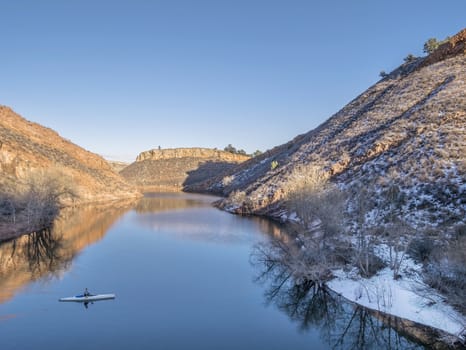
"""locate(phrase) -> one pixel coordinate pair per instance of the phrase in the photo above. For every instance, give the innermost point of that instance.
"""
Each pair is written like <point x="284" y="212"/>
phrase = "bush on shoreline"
<point x="36" y="203"/>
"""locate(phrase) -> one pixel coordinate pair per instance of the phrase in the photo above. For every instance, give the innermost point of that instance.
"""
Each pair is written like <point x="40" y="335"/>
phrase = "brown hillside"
<point x="175" y="169"/>
<point x="117" y="166"/>
<point x="27" y="147"/>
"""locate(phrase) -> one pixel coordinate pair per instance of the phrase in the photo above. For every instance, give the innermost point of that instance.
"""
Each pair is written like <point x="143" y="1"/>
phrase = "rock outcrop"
<point x="201" y="153"/>
<point x="168" y="170"/>
<point x="454" y="46"/>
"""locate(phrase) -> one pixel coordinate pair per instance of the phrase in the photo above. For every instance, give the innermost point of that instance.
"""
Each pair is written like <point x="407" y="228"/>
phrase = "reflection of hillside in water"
<point x="190" y="216"/>
<point x="49" y="253"/>
<point x="159" y="202"/>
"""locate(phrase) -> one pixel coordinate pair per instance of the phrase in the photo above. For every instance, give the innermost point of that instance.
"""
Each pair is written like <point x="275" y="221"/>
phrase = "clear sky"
<point x="120" y="77"/>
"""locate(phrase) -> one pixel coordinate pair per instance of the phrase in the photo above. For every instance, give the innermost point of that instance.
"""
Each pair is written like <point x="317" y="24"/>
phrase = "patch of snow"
<point x="294" y="217"/>
<point x="372" y="216"/>
<point x="400" y="297"/>
<point x="231" y="208"/>
<point x="264" y="160"/>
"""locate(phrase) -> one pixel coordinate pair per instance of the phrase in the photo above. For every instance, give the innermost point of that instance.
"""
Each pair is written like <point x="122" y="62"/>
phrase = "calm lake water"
<point x="183" y="277"/>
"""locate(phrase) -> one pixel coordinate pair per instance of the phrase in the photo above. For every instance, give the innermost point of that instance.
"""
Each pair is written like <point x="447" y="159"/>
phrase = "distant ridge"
<point x="193" y="152"/>
<point x="174" y="169"/>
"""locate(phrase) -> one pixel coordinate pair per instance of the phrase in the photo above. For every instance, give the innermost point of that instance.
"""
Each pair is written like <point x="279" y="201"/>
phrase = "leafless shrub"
<point x="447" y="272"/>
<point x="36" y="204"/>
<point x="44" y="193"/>
<point x="399" y="235"/>
<point x="421" y="249"/>
<point x="364" y="257"/>
<point x="315" y="200"/>
<point x="302" y="259"/>
<point x="317" y="249"/>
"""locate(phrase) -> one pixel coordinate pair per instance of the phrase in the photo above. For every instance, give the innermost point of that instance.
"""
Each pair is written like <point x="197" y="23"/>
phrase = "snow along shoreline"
<point x="407" y="297"/>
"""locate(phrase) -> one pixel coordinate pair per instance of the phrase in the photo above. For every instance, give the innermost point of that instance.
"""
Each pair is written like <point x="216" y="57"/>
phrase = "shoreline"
<point x="11" y="231"/>
<point x="357" y="291"/>
<point x="432" y="337"/>
<point x="428" y="334"/>
<point x="445" y="336"/>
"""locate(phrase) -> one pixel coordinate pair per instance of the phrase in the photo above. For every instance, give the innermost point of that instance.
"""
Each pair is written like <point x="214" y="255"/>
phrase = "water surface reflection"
<point x="189" y="216"/>
<point x="341" y="325"/>
<point x="162" y="202"/>
<point x="183" y="280"/>
<point x="48" y="253"/>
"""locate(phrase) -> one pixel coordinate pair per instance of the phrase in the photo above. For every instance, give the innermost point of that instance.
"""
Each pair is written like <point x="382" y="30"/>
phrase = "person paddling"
<point x="86" y="293"/>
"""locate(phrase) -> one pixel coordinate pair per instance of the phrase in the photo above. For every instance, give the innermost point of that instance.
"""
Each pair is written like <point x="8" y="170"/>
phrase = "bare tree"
<point x="43" y="196"/>
<point x="36" y="200"/>
<point x="317" y="202"/>
<point x="364" y="207"/>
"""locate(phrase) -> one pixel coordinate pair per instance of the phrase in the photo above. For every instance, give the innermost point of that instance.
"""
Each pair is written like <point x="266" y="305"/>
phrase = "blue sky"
<point x="121" y="77"/>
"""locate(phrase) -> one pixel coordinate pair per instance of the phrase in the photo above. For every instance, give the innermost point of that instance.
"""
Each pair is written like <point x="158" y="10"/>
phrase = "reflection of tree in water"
<point x="358" y="328"/>
<point x="44" y="252"/>
<point x="342" y="325"/>
<point x="39" y="252"/>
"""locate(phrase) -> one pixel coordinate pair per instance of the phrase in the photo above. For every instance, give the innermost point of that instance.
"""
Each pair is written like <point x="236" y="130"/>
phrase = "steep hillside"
<point x="27" y="146"/>
<point x="407" y="130"/>
<point x="117" y="166"/>
<point x="179" y="168"/>
<point x="33" y="158"/>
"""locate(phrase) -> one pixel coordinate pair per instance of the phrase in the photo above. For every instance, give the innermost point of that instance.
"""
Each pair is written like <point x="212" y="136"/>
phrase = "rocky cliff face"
<point x="178" y="168"/>
<point x="201" y="153"/>
<point x="27" y="148"/>
<point x="408" y="130"/>
<point x="454" y="46"/>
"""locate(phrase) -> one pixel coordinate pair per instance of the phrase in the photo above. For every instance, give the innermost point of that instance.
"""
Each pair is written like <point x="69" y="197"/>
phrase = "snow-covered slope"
<point x="407" y="130"/>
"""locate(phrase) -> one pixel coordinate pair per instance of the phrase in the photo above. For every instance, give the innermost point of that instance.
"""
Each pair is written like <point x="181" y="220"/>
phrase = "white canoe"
<point x="83" y="298"/>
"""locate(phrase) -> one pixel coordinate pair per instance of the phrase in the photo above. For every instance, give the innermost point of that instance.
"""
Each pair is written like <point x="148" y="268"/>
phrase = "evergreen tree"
<point x="383" y="74"/>
<point x="230" y="148"/>
<point x="256" y="153"/>
<point x="431" y="45"/>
